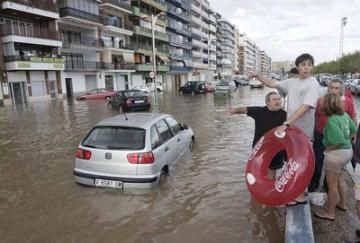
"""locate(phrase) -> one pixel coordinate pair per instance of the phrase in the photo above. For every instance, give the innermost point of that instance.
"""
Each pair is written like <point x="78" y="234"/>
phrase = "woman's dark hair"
<point x="304" y="57"/>
<point x="332" y="104"/>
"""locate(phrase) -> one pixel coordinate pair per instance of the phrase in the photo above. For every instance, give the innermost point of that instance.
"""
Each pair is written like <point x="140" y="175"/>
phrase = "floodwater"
<point x="205" y="198"/>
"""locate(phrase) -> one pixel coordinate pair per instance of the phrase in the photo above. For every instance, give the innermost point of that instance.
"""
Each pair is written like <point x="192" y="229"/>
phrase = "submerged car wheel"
<point x="163" y="174"/>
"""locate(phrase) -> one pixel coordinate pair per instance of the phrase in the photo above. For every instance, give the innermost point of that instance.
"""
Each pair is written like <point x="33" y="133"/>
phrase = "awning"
<point x="188" y="63"/>
<point x="164" y="58"/>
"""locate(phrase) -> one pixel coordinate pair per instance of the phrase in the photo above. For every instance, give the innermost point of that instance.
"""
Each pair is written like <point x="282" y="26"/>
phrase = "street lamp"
<point x="341" y="44"/>
<point x="209" y="43"/>
<point x="153" y="24"/>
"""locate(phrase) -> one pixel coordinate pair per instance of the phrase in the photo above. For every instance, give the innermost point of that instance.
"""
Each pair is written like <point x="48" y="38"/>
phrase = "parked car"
<point x="355" y="86"/>
<point x="130" y="100"/>
<point x="210" y="86"/>
<point x="193" y="87"/>
<point x="144" y="89"/>
<point x="136" y="150"/>
<point x="97" y="94"/>
<point x="224" y="87"/>
<point x="256" y="84"/>
<point x="241" y="82"/>
<point x="159" y="87"/>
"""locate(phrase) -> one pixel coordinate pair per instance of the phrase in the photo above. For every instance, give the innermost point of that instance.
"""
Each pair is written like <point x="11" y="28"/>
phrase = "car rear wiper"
<point x="89" y="146"/>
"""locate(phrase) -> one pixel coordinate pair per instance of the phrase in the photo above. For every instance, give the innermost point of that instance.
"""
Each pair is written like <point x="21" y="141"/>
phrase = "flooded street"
<point x="205" y="199"/>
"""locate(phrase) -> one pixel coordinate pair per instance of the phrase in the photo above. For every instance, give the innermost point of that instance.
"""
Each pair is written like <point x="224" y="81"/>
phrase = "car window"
<point x="154" y="137"/>
<point x="173" y="124"/>
<point x="111" y="137"/>
<point x="164" y="131"/>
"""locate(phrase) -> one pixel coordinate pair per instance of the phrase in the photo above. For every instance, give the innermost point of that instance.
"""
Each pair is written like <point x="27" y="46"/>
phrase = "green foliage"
<point x="349" y="63"/>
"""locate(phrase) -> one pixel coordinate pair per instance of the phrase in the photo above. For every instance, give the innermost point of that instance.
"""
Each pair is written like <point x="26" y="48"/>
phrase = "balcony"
<point x="30" y="34"/>
<point x="121" y="47"/>
<point x="83" y="66"/>
<point x="176" y="56"/>
<point x="183" y="44"/>
<point x="159" y="4"/>
<point x="140" y="12"/>
<point x="45" y="8"/>
<point x="180" y="69"/>
<point x="114" y="25"/>
<point x="79" y="16"/>
<point x="183" y="16"/>
<point x="139" y="30"/>
<point x="123" y="5"/>
<point x="196" y="20"/>
<point x="196" y="9"/>
<point x="33" y="63"/>
<point x="149" y="67"/>
<point x="85" y="43"/>
<point x="118" y="66"/>
<point x="184" y="3"/>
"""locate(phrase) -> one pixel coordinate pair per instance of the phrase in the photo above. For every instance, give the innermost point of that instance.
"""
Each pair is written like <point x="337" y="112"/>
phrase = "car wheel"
<point x="163" y="174"/>
<point x="82" y="99"/>
<point x="191" y="145"/>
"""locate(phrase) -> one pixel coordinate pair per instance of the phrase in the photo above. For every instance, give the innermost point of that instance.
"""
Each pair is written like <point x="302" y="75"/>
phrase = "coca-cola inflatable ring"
<point x="297" y="171"/>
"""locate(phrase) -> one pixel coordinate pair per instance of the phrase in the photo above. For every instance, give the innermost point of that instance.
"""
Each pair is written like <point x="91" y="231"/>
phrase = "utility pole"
<point x="341" y="42"/>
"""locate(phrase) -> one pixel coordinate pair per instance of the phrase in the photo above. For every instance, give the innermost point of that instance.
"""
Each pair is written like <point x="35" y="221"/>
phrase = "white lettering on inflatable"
<point x="256" y="148"/>
<point x="289" y="170"/>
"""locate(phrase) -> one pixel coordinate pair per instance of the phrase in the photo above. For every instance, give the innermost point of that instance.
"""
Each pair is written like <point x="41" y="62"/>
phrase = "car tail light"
<point x="83" y="154"/>
<point x="141" y="158"/>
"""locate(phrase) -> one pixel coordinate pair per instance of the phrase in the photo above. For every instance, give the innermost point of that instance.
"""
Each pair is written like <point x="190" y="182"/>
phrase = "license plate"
<point x="108" y="183"/>
<point x="139" y="101"/>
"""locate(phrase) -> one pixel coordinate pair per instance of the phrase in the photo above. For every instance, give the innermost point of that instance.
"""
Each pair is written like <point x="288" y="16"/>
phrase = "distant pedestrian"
<point x="266" y="118"/>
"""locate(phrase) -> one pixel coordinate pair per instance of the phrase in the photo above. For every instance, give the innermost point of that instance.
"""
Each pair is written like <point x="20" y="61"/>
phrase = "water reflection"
<point x="204" y="200"/>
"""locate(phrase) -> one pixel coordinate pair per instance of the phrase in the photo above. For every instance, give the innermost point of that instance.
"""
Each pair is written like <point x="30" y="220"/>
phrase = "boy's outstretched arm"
<point x="265" y="81"/>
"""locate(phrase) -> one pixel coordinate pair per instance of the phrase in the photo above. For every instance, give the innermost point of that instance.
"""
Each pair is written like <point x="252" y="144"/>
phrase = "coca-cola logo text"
<point x="256" y="148"/>
<point x="290" y="168"/>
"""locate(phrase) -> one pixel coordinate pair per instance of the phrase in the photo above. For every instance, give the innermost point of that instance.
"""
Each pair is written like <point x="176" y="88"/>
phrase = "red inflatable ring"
<point x="297" y="171"/>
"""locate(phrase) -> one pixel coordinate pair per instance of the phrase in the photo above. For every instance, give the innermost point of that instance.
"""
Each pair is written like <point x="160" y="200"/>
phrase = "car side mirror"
<point x="184" y="126"/>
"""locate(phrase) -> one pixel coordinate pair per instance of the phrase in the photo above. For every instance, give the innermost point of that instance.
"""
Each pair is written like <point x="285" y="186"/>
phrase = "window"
<point x="164" y="131"/>
<point x="110" y="137"/>
<point x="154" y="136"/>
<point x="173" y="124"/>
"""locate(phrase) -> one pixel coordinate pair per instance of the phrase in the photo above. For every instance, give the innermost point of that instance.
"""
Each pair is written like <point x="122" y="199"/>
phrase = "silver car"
<point x="132" y="150"/>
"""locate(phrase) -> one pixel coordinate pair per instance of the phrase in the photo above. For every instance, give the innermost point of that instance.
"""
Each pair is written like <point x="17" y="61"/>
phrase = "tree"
<point x="349" y="63"/>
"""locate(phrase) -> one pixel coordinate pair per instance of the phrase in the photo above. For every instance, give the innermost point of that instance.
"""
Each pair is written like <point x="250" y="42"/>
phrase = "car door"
<point x="181" y="138"/>
<point x="168" y="141"/>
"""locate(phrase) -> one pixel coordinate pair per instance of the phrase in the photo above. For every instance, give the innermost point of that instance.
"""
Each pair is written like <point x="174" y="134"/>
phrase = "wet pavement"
<point x="205" y="198"/>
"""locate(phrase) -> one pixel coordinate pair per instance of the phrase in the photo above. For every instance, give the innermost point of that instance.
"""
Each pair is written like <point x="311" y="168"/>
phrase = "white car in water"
<point x="132" y="150"/>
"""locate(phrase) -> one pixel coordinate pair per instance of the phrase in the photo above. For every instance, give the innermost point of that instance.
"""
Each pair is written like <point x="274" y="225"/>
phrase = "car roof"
<point x="142" y="120"/>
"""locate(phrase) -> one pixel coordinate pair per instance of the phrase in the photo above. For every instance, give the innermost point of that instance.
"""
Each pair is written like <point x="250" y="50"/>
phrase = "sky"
<point x="284" y="29"/>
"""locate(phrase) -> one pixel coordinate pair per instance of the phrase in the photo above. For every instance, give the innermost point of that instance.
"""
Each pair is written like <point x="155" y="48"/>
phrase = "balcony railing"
<point x="33" y="59"/>
<point x="79" y="14"/>
<point x="106" y="20"/>
<point x="120" y="3"/>
<point x="47" y="5"/>
<point x="29" y="31"/>
<point x="185" y="3"/>
<point x="127" y="46"/>
<point x="184" y="15"/>
<point x="180" y="69"/>
<point x="161" y="20"/>
<point x="84" y="65"/>
<point x="118" y="66"/>
<point x="147" y="32"/>
<point x="84" y="41"/>
<point x="149" y="67"/>
<point x="160" y="4"/>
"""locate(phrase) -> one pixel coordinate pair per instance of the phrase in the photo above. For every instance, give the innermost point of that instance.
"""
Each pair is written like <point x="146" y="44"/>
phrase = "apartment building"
<point x="247" y="55"/>
<point x="225" y="47"/>
<point x="265" y="63"/>
<point x="180" y="45"/>
<point x="282" y="67"/>
<point x="79" y="29"/>
<point x="30" y="64"/>
<point x="142" y="41"/>
<point x="117" y="57"/>
<point x="203" y="29"/>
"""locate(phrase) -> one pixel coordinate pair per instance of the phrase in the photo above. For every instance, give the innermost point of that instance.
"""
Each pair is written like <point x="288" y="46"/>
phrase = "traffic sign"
<point x="152" y="74"/>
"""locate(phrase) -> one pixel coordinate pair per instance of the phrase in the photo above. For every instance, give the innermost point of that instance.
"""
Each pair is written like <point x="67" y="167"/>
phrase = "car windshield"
<point x="133" y="93"/>
<point x="113" y="137"/>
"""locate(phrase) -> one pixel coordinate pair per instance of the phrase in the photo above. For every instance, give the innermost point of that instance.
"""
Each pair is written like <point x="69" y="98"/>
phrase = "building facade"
<point x="180" y="44"/>
<point x="225" y="48"/>
<point x="30" y="63"/>
<point x="203" y="29"/>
